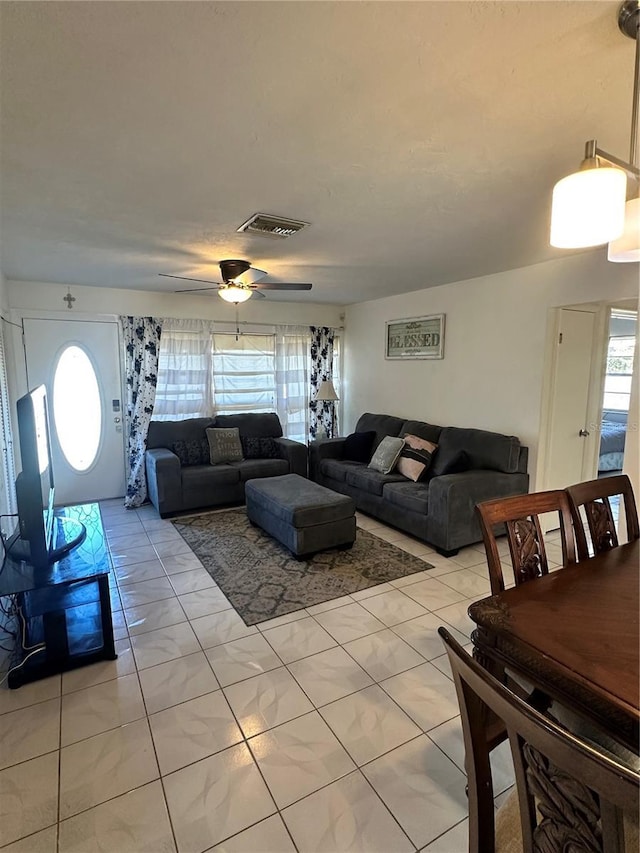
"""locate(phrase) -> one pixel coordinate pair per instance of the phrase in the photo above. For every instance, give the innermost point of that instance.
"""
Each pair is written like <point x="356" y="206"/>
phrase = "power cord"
<point x="21" y="664"/>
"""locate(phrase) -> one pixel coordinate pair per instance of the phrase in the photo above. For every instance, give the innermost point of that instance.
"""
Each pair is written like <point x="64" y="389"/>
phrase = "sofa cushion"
<point x="254" y="424"/>
<point x="206" y="477"/>
<point x="429" y="432"/>
<point x="358" y="446"/>
<point x="382" y="425"/>
<point x="224" y="445"/>
<point x="371" y="481"/>
<point x="165" y="433"/>
<point x="485" y="449"/>
<point x="410" y="496"/>
<point x="194" y="452"/>
<point x="452" y="463"/>
<point x="337" y="468"/>
<point x="386" y="455"/>
<point x="259" y="448"/>
<point x="254" y="468"/>
<point x="415" y="457"/>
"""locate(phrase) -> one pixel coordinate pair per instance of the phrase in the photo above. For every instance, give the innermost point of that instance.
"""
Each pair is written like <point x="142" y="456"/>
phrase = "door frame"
<point x="602" y="311"/>
<point x="18" y="383"/>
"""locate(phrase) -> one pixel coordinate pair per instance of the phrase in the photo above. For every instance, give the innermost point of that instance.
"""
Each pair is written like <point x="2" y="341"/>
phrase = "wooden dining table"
<point x="574" y="634"/>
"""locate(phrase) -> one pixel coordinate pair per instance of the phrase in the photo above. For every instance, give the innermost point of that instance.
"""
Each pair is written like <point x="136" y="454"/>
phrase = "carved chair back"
<point x="571" y="796"/>
<point x="520" y="515"/>
<point x="594" y="496"/>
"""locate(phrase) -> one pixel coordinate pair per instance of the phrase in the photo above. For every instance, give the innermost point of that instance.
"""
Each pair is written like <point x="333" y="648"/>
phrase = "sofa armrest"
<point x="295" y="453"/>
<point x="323" y="448"/>
<point x="452" y="520"/>
<point x="164" y="480"/>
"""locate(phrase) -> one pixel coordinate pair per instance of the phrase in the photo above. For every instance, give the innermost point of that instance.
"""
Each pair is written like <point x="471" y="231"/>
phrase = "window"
<point x="619" y="376"/>
<point x="244" y="373"/>
<point x="202" y="371"/>
<point x="77" y="410"/>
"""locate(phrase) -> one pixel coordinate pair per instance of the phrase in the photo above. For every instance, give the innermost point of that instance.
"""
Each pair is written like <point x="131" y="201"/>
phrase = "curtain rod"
<point x="249" y="323"/>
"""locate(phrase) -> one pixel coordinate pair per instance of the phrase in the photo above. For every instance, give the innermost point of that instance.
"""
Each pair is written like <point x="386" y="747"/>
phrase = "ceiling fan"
<point x="240" y="281"/>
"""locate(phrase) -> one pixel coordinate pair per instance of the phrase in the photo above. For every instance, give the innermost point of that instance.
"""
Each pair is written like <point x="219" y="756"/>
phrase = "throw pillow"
<point x="358" y="446"/>
<point x="415" y="457"/>
<point x="259" y="448"/>
<point x="455" y="464"/>
<point x="194" y="452"/>
<point x="386" y="454"/>
<point x="224" y="445"/>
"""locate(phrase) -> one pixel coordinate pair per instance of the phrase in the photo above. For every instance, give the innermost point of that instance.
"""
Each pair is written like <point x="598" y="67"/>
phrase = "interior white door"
<point x="78" y="362"/>
<point x="569" y="428"/>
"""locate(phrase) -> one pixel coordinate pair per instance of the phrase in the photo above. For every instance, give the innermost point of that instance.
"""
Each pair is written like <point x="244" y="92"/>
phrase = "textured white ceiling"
<point x="420" y="139"/>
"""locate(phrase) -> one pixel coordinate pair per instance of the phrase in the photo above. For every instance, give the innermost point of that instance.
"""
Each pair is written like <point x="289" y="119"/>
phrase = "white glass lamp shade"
<point x="326" y="391"/>
<point x="234" y="293"/>
<point x="588" y="208"/>
<point x="626" y="249"/>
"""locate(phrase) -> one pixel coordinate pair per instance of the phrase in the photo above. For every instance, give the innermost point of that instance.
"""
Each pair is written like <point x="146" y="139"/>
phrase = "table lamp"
<point x="327" y="394"/>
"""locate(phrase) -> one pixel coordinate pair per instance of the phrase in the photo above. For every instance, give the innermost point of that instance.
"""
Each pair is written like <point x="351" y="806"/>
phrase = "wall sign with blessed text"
<point x="417" y="337"/>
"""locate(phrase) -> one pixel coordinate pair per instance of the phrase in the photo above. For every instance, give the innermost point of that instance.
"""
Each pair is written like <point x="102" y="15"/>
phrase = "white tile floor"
<point x="329" y="729"/>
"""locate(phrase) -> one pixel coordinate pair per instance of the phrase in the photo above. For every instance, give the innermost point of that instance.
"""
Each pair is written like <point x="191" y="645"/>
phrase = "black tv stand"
<point x="68" y="534"/>
<point x="65" y="605"/>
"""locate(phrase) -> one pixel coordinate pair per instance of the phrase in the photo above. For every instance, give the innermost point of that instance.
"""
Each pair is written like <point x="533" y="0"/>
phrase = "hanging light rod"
<point x="588" y="206"/>
<point x="591" y="150"/>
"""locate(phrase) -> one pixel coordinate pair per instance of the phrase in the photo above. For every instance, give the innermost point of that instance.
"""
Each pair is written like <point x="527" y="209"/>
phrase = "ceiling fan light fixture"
<point x="234" y="293"/>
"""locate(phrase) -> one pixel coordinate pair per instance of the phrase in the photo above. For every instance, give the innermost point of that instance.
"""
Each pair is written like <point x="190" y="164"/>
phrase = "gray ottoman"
<point x="302" y="515"/>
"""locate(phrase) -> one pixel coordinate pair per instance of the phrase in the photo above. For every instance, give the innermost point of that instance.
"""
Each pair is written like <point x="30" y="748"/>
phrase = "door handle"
<point x="584" y="433"/>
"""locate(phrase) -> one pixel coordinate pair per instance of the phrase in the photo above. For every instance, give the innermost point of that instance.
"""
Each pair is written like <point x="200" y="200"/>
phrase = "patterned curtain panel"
<point x="321" y="412"/>
<point x="141" y="336"/>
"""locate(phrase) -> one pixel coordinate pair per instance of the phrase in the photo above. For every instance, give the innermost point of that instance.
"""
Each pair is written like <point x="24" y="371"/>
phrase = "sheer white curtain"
<point x="185" y="375"/>
<point x="292" y="380"/>
<point x="203" y="371"/>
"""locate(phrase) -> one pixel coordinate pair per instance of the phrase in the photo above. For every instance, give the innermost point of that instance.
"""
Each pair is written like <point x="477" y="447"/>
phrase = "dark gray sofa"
<point x="173" y="487"/>
<point x="440" y="511"/>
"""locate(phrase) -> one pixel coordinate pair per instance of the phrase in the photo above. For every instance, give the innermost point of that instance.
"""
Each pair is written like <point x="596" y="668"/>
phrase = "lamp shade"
<point x="234" y="293"/>
<point x="326" y="391"/>
<point x="588" y="208"/>
<point x="626" y="249"/>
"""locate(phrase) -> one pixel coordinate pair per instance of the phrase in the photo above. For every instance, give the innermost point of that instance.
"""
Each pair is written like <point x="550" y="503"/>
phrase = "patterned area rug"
<point x="263" y="580"/>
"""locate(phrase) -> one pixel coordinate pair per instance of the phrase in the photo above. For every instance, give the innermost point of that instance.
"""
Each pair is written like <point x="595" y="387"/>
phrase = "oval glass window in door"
<point x="77" y="408"/>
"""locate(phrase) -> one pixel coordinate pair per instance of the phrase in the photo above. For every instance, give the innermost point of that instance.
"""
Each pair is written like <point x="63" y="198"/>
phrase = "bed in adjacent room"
<point x="612" y="436"/>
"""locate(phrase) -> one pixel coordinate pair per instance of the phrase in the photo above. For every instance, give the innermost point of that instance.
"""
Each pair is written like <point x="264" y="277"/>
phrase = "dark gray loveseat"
<point x="173" y="486"/>
<point x="440" y="511"/>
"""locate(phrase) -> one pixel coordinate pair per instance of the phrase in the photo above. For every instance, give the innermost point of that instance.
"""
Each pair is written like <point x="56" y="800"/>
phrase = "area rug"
<point x="263" y="580"/>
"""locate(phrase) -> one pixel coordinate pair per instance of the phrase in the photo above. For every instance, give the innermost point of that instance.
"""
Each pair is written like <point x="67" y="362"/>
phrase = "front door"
<point x="78" y="362"/>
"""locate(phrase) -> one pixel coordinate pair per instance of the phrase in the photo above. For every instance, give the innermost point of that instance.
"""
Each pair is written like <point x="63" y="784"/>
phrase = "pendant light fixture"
<point x="588" y="206"/>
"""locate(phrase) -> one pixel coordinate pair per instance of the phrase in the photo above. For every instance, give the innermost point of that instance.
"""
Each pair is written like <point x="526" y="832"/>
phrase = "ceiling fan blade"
<point x="251" y="275"/>
<point x="283" y="285"/>
<point x="257" y="293"/>
<point x="197" y="289"/>
<point x="184" y="278"/>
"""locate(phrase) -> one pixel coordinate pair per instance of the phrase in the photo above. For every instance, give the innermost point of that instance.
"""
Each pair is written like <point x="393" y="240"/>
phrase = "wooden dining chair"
<point x="520" y="515"/>
<point x="594" y="497"/>
<point x="570" y="795"/>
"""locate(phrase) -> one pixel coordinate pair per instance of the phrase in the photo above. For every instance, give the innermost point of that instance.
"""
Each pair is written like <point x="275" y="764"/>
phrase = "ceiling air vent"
<point x="272" y="226"/>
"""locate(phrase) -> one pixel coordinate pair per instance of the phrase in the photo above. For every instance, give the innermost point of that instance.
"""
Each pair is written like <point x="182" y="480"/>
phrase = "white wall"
<point x="492" y="371"/>
<point x="43" y="296"/>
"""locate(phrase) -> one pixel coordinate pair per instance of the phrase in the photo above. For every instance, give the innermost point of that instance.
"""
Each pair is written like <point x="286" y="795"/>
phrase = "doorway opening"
<point x="617" y="390"/>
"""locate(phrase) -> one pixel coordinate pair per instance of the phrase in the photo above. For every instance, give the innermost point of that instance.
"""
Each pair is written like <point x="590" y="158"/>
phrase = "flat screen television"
<point x="40" y="538"/>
